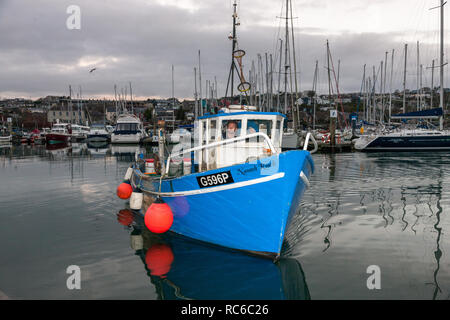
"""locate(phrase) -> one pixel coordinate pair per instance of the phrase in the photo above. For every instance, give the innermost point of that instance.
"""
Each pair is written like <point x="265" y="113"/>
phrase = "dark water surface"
<point x="58" y="208"/>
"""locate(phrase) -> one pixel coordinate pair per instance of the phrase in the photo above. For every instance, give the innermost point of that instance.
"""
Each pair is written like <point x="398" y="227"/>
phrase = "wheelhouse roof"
<point x="252" y="113"/>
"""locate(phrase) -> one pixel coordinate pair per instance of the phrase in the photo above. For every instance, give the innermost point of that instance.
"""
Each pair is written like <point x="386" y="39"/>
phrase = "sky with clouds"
<point x="138" y="41"/>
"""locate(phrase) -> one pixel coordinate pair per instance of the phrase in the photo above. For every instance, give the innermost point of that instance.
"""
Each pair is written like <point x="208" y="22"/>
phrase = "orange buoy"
<point x="159" y="217"/>
<point x="125" y="217"/>
<point x="159" y="258"/>
<point x="124" y="190"/>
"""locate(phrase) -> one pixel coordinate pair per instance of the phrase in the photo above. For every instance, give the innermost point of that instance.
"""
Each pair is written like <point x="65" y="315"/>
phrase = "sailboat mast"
<point x="363" y="91"/>
<point x="404" y="79"/>
<point x="131" y="99"/>
<point x="316" y="74"/>
<point x="441" y="69"/>
<point x="200" y="83"/>
<point x="70" y="103"/>
<point x="418" y="77"/>
<point x="432" y="84"/>
<point x="390" y="86"/>
<point x="329" y="76"/>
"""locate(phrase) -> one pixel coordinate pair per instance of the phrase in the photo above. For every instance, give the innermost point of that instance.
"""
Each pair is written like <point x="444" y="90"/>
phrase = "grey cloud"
<point x="138" y="41"/>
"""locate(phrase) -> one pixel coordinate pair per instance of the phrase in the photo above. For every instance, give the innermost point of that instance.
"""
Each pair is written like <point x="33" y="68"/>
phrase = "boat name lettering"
<point x="215" y="179"/>
<point x="247" y="170"/>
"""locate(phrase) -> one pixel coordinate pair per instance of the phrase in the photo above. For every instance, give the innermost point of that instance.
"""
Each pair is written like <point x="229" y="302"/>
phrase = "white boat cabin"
<point x="60" y="128"/>
<point x="251" y="135"/>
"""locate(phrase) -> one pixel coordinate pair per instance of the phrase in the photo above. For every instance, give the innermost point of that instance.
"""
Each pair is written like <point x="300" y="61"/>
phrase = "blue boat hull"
<point x="410" y="143"/>
<point x="252" y="213"/>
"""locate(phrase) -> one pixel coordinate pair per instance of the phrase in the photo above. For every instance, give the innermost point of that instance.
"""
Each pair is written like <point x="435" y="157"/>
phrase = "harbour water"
<point x="58" y="208"/>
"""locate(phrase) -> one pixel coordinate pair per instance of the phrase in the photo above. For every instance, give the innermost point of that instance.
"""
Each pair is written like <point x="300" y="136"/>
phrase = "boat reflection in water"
<point x="182" y="268"/>
<point x="125" y="152"/>
<point x="58" y="151"/>
<point x="98" y="148"/>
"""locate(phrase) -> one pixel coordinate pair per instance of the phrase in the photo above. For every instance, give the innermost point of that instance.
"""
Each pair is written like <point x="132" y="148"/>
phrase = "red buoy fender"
<point x="124" y="190"/>
<point x="159" y="217"/>
<point x="159" y="258"/>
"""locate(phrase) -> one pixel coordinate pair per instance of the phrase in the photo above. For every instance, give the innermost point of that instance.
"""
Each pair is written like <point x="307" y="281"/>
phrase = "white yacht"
<point x="78" y="133"/>
<point x="98" y="133"/>
<point x="129" y="129"/>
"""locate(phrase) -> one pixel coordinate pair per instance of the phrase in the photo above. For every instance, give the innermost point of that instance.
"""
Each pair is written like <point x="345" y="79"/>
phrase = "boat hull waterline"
<point x="407" y="143"/>
<point x="252" y="213"/>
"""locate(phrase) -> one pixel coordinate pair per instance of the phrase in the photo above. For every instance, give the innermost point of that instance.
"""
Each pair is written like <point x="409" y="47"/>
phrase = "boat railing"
<point x="305" y="146"/>
<point x="218" y="143"/>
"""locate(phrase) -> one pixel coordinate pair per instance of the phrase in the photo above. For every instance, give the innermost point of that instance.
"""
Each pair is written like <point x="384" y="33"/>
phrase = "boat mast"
<point x="294" y="106"/>
<point x="115" y="99"/>
<point x="390" y="86"/>
<point x="131" y="100"/>
<point x="441" y="69"/>
<point x="286" y="65"/>
<point x="384" y="84"/>
<point x="316" y="74"/>
<point x="279" y="76"/>
<point x="363" y="91"/>
<point x="70" y="102"/>
<point x="173" y="102"/>
<point x="418" y="77"/>
<point x="81" y="102"/>
<point x="233" y="48"/>
<point x="200" y="83"/>
<point x="404" y="80"/>
<point x="329" y="76"/>
<point x="381" y="92"/>
<point x="195" y="94"/>
<point x="432" y="84"/>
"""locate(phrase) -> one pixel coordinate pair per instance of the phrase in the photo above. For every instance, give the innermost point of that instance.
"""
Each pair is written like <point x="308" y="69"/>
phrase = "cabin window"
<point x="277" y="130"/>
<point x="126" y="127"/>
<point x="264" y="126"/>
<point x="231" y="129"/>
<point x="212" y="130"/>
<point x="204" y="131"/>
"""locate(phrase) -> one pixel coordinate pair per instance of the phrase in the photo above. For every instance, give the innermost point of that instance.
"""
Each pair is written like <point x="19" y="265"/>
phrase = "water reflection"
<point x="180" y="268"/>
<point x="406" y="192"/>
<point x="361" y="209"/>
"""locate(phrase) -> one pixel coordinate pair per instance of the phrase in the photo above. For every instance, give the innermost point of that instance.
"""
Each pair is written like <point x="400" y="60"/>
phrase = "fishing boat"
<point x="129" y="129"/>
<point x="98" y="133"/>
<point x="235" y="187"/>
<point x="240" y="190"/>
<point x="60" y="133"/>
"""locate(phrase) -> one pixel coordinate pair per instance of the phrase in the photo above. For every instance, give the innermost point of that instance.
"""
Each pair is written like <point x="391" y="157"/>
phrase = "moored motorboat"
<point x="60" y="133"/>
<point x="129" y="129"/>
<point x="98" y="133"/>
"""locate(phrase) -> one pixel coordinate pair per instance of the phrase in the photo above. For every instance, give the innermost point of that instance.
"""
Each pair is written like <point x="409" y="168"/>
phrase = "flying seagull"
<point x="92" y="70"/>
